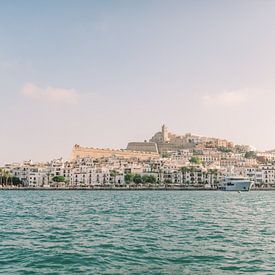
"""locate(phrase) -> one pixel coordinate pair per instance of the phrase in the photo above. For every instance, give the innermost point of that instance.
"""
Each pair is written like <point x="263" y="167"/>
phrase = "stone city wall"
<point x="82" y="152"/>
<point x="143" y="147"/>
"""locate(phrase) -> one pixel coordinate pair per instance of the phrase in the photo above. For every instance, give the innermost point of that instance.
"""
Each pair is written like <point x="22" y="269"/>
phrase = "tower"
<point x="164" y="132"/>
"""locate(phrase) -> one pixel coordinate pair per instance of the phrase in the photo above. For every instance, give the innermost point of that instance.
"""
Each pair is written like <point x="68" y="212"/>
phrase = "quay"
<point x="121" y="189"/>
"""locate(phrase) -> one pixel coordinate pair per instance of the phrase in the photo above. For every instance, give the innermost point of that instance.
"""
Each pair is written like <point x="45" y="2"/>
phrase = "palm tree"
<point x="113" y="175"/>
<point x="4" y="176"/>
<point x="8" y="177"/>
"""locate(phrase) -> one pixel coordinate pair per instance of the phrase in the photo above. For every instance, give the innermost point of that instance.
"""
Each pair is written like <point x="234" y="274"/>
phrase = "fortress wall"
<point x="143" y="147"/>
<point x="82" y="152"/>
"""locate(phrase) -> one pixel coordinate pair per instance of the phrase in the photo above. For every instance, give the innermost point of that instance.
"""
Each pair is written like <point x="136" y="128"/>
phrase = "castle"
<point x="161" y="142"/>
<point x="165" y="141"/>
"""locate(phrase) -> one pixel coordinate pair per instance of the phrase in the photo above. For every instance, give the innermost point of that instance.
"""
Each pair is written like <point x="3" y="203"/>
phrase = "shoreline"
<point x="119" y="189"/>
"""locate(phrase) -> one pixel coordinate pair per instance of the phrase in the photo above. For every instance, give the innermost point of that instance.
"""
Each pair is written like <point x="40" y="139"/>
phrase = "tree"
<point x="224" y="149"/>
<point x="195" y="160"/>
<point x="113" y="173"/>
<point x="250" y="155"/>
<point x="59" y="179"/>
<point x="128" y="177"/>
<point x="152" y="179"/>
<point x="6" y="177"/>
<point x="16" y="181"/>
<point x="137" y="178"/>
<point x="1" y="176"/>
<point x="148" y="179"/>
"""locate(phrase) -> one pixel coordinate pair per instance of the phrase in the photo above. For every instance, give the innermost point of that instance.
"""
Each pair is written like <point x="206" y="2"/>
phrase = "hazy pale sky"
<point x="102" y="73"/>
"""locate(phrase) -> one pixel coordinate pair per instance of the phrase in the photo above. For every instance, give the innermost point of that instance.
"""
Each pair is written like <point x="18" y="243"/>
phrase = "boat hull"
<point x="237" y="185"/>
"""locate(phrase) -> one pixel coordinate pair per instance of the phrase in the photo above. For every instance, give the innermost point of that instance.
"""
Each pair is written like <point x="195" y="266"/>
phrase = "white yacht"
<point x="236" y="184"/>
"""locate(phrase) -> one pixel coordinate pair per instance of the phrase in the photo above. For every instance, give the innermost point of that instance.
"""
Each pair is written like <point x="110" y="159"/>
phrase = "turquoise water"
<point x="137" y="232"/>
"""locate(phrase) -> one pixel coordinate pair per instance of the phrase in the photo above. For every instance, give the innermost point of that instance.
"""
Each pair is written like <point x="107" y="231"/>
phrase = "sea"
<point x="137" y="232"/>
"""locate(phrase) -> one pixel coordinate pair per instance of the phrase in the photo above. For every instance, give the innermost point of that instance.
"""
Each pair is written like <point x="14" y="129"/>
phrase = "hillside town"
<point x="165" y="161"/>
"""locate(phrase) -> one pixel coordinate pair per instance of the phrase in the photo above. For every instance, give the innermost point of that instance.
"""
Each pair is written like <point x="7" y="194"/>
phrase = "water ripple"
<point x="136" y="232"/>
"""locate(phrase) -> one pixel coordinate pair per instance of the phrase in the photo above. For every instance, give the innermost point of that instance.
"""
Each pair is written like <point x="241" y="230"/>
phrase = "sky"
<point x="103" y="73"/>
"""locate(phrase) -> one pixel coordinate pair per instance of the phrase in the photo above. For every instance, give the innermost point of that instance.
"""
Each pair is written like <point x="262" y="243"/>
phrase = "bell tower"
<point x="164" y="132"/>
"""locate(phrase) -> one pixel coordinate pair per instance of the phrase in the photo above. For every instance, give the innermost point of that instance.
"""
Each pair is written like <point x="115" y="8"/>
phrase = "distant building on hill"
<point x="165" y="141"/>
<point x="162" y="142"/>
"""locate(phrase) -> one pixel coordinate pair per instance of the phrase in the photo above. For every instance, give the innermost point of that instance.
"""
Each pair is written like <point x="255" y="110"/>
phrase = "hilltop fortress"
<point x="161" y="142"/>
<point x="165" y="141"/>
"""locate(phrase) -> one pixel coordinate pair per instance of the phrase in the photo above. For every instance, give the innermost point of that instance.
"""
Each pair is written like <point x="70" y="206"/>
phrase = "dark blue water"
<point x="137" y="232"/>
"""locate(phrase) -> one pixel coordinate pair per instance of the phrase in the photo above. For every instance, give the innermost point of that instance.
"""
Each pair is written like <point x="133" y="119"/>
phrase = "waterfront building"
<point x="181" y="160"/>
<point x="268" y="175"/>
<point x="255" y="174"/>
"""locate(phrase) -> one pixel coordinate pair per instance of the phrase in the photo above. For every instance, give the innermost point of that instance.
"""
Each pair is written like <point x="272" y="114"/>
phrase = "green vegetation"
<point x="16" y="181"/>
<point x="128" y="177"/>
<point x="148" y="179"/>
<point x="137" y="178"/>
<point x="113" y="173"/>
<point x="250" y="155"/>
<point x="165" y="155"/>
<point x="195" y="160"/>
<point x="59" y="179"/>
<point x="9" y="180"/>
<point x="224" y="149"/>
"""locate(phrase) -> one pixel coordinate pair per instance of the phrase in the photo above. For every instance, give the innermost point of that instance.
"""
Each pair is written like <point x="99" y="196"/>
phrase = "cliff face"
<point x="82" y="152"/>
